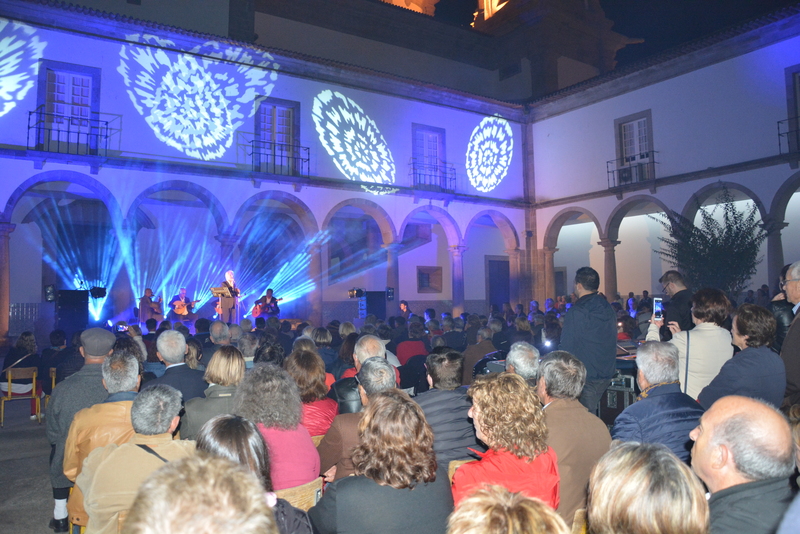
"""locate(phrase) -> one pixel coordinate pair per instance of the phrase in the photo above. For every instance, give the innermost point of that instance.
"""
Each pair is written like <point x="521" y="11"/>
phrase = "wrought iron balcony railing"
<point x="637" y="168"/>
<point x="279" y="158"/>
<point x="437" y="176"/>
<point x="66" y="134"/>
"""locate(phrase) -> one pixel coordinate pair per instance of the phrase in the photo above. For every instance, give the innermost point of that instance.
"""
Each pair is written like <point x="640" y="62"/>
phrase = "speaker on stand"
<point x="72" y="310"/>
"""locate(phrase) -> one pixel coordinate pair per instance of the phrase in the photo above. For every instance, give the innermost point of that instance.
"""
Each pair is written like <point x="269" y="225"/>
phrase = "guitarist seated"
<point x="149" y="309"/>
<point x="267" y="306"/>
<point x="183" y="307"/>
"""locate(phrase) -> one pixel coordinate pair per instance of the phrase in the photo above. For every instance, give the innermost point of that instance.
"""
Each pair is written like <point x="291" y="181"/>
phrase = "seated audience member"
<point x="499" y="337"/>
<point x="757" y="371"/>
<point x="446" y="405"/>
<point x="247" y="346"/>
<point x="269" y="351"/>
<point x="550" y="335"/>
<point x="345" y="361"/>
<point x="509" y="419"/>
<point x="225" y="497"/>
<point x="236" y="333"/>
<point x="475" y="353"/>
<point x="453" y="338"/>
<point x="644" y="488"/>
<point x="112" y="474"/>
<point x="237" y="439"/>
<point x="194" y="354"/>
<point x="171" y="347"/>
<point x="345" y="391"/>
<point x="523" y="359"/>
<point x="269" y="397"/>
<point x="308" y="371"/>
<point x="101" y="424"/>
<point x="51" y="357"/>
<point x="414" y="345"/>
<point x="495" y="510"/>
<point x="223" y="374"/>
<point x="433" y="327"/>
<point x="335" y="449"/>
<point x="219" y="335"/>
<point x="708" y="342"/>
<point x="322" y="339"/>
<point x="662" y="413"/>
<point x="24" y="353"/>
<point x="743" y="452"/>
<point x="523" y="332"/>
<point x="396" y="488"/>
<point x="579" y="438"/>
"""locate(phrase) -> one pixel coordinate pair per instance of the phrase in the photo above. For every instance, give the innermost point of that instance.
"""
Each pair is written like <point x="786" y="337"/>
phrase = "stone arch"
<point x="74" y="177"/>
<point x="206" y="197"/>
<point x="451" y="230"/>
<point x="780" y="201"/>
<point x="693" y="204"/>
<point x="619" y="213"/>
<point x="307" y="220"/>
<point x="506" y="227"/>
<point x="558" y="221"/>
<point x="370" y="208"/>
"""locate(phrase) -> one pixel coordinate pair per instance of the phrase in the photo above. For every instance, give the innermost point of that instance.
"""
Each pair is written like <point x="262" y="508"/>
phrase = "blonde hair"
<point x="642" y="488"/>
<point x="495" y="510"/>
<point x="200" y="494"/>
<point x="794" y="421"/>
<point x="226" y="367"/>
<point x="511" y="415"/>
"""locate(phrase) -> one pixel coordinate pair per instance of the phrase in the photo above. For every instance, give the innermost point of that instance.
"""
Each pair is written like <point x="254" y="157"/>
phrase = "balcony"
<point x="432" y="179"/>
<point x="632" y="169"/>
<point x="278" y="158"/>
<point x="65" y="134"/>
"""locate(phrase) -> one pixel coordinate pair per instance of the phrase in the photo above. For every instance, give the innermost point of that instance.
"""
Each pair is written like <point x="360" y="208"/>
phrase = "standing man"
<point x="790" y="350"/>
<point x="679" y="309"/>
<point x="183" y="306"/>
<point x="230" y="305"/>
<point x="590" y="334"/>
<point x="149" y="309"/>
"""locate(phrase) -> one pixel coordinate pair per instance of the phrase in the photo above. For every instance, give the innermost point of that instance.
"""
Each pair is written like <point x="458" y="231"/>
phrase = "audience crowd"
<point x="433" y="423"/>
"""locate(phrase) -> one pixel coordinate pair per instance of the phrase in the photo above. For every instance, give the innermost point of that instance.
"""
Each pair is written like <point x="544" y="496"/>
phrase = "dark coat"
<point x="590" y="334"/>
<point x="345" y="392"/>
<point x="790" y="354"/>
<point x="752" y="508"/>
<point x="455" y="340"/>
<point x="358" y="505"/>
<point x="755" y="372"/>
<point x="782" y="311"/>
<point x="183" y="378"/>
<point x="453" y="432"/>
<point x="216" y="400"/>
<point x="665" y="416"/>
<point x="678" y="309"/>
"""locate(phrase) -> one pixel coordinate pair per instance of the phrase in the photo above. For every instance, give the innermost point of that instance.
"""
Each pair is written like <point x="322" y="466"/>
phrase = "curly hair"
<point x="510" y="413"/>
<point x="269" y="396"/>
<point x="269" y="351"/>
<point x="26" y="344"/>
<point x="308" y="370"/>
<point x="396" y="447"/>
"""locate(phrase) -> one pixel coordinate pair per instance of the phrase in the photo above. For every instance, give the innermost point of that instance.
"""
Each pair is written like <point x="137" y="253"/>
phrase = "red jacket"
<point x="318" y="415"/>
<point x="409" y="348"/>
<point x="538" y="478"/>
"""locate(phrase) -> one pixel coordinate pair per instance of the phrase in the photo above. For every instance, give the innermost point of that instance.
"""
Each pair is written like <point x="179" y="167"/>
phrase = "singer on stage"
<point x="230" y="305"/>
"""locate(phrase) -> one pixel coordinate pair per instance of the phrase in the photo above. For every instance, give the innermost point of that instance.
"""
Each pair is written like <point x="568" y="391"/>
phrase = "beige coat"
<point x="111" y="476"/>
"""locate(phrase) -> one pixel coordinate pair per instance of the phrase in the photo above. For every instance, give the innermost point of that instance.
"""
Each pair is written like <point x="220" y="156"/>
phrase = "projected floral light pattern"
<point x="352" y="139"/>
<point x="20" y="50"/>
<point x="489" y="153"/>
<point x="194" y="101"/>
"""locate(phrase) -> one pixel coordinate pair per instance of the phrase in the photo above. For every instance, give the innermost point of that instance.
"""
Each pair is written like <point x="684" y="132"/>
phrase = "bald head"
<point x="741" y="440"/>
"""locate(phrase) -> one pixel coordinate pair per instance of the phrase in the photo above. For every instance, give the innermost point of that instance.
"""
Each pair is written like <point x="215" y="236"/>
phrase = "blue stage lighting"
<point x="20" y="50"/>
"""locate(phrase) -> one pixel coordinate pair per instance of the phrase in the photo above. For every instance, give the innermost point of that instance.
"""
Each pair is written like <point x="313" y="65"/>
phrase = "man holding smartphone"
<point x="679" y="308"/>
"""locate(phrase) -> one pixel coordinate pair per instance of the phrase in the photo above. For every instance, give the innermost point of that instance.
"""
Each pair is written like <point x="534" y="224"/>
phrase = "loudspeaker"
<point x="72" y="310"/>
<point x="376" y="304"/>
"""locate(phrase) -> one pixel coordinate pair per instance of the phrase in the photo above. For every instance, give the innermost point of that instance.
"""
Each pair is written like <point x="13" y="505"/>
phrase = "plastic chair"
<point x="303" y="497"/>
<point x="21" y="373"/>
<point x="52" y="386"/>
<point x="317" y="439"/>
<point x="453" y="465"/>
<point x="579" y="521"/>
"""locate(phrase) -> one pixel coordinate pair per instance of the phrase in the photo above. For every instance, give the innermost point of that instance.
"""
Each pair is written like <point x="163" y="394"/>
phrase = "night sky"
<point x="663" y="24"/>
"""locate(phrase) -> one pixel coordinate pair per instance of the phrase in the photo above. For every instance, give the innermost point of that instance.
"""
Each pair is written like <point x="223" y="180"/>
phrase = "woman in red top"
<point x="508" y="418"/>
<point x="414" y="345"/>
<point x="308" y="370"/>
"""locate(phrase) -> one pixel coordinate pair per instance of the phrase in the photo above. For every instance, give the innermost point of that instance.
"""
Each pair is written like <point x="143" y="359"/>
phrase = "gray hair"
<point x="448" y="323"/>
<point x="485" y="333"/>
<point x="172" y="346"/>
<point x="268" y="395"/>
<point x="369" y="346"/>
<point x="235" y="332"/>
<point x="458" y="323"/>
<point x="154" y="409"/>
<point x="219" y="332"/>
<point x="496" y="326"/>
<point x="120" y="372"/>
<point x="248" y="344"/>
<point x="376" y="375"/>
<point x="755" y="454"/>
<point x="564" y="375"/>
<point x="658" y="361"/>
<point x="794" y="270"/>
<point x="525" y="359"/>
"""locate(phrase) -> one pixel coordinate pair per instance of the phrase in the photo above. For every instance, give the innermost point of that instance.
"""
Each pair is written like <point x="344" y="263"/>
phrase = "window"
<point x="277" y="137"/>
<point x="68" y="109"/>
<point x="790" y="133"/>
<point x="635" y="156"/>
<point x="429" y="279"/>
<point x="428" y="165"/>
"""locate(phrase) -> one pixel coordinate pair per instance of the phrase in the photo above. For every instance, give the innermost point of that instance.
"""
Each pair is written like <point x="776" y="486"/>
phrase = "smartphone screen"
<point x="658" y="308"/>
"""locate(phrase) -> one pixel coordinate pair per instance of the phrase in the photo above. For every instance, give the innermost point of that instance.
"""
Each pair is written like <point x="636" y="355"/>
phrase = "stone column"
<point x="514" y="270"/>
<point x="610" y="266"/>
<point x="228" y="243"/>
<point x="457" y="265"/>
<point x="775" y="261"/>
<point x="5" y="281"/>
<point x="549" y="276"/>
<point x="392" y="275"/>
<point x="315" y="296"/>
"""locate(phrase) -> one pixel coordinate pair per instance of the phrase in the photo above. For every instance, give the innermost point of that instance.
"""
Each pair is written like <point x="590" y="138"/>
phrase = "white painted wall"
<point x="577" y="247"/>
<point x="483" y="241"/>
<point x="431" y="254"/>
<point x="25" y="247"/>
<point x="791" y="234"/>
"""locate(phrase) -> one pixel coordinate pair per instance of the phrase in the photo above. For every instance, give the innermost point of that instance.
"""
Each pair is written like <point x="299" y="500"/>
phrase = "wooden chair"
<point x="579" y="521"/>
<point x="21" y="373"/>
<point x="52" y="386"/>
<point x="455" y="464"/>
<point x="303" y="497"/>
<point x="317" y="439"/>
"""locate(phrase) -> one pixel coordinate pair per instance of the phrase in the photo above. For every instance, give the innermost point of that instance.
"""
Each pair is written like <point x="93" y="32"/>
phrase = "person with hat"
<point x="81" y="390"/>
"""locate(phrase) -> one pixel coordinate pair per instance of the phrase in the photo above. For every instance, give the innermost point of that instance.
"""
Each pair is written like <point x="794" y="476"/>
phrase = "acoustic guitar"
<point x="181" y="308"/>
<point x="258" y="309"/>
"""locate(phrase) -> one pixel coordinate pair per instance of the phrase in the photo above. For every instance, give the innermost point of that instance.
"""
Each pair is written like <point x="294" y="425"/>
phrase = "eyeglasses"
<point x="784" y="282"/>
